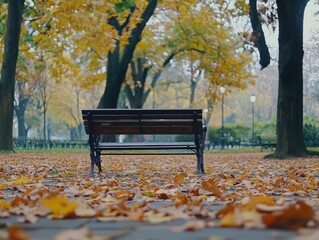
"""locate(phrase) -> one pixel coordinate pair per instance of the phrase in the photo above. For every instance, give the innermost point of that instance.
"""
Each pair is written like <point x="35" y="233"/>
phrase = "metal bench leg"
<point x="200" y="162"/>
<point x="92" y="155"/>
<point x="200" y="153"/>
<point x="98" y="160"/>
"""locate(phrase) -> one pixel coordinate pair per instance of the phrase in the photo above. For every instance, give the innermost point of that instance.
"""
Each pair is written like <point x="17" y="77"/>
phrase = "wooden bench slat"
<point x="141" y="111"/>
<point x="143" y="116"/>
<point x="107" y="122"/>
<point x="144" y="130"/>
<point x="147" y="146"/>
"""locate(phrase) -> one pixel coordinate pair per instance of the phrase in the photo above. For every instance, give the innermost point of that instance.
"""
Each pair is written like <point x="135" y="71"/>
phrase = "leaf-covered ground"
<point x="238" y="190"/>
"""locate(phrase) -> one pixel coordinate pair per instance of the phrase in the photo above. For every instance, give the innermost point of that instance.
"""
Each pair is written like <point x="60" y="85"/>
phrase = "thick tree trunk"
<point x="110" y="97"/>
<point x="7" y="81"/>
<point x="116" y="77"/>
<point x="290" y="141"/>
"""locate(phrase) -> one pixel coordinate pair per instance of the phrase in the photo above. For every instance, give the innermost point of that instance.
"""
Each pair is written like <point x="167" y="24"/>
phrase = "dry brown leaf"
<point x="78" y="234"/>
<point x="84" y="212"/>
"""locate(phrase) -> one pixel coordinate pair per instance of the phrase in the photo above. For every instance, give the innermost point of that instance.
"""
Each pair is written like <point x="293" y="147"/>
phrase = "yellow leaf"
<point x="251" y="205"/>
<point x="180" y="178"/>
<point x="229" y="220"/>
<point x="21" y="181"/>
<point x="2" y="187"/>
<point x="149" y="194"/>
<point x="87" y="183"/>
<point x="4" y="205"/>
<point x="141" y="176"/>
<point x="60" y="206"/>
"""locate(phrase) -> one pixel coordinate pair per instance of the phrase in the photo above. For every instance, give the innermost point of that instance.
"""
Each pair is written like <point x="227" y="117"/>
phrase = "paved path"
<point x="46" y="229"/>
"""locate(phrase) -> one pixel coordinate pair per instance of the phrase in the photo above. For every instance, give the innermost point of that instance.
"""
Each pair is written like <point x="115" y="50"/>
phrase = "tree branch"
<point x="258" y="35"/>
<point x="157" y="75"/>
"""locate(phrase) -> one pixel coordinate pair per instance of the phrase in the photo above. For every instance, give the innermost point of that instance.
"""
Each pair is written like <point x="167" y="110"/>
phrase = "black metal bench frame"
<point x="98" y="122"/>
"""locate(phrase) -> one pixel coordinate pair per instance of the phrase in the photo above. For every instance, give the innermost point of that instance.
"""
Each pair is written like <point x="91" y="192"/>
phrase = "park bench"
<point x="100" y="122"/>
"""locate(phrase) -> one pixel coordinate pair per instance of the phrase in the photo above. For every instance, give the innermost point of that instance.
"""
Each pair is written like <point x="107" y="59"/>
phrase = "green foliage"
<point x="184" y="138"/>
<point x="266" y="131"/>
<point x="124" y="5"/>
<point x="311" y="134"/>
<point x="234" y="134"/>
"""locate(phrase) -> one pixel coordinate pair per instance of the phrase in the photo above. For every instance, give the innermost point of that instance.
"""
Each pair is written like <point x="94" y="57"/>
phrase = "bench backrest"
<point x="143" y="121"/>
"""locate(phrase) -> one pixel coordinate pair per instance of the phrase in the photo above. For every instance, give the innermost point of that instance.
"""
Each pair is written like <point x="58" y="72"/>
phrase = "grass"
<point x="239" y="150"/>
<point x="54" y="150"/>
<point x="214" y="151"/>
<point x="83" y="150"/>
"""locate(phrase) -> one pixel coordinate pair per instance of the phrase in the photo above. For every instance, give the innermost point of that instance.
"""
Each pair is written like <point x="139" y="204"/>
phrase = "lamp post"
<point x="206" y="116"/>
<point x="252" y="100"/>
<point x="222" y="132"/>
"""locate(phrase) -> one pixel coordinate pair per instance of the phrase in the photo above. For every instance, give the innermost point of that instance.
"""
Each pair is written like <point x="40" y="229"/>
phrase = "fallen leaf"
<point x="17" y="233"/>
<point x="78" y="234"/>
<point x="189" y="226"/>
<point x="294" y="217"/>
<point x="60" y="206"/>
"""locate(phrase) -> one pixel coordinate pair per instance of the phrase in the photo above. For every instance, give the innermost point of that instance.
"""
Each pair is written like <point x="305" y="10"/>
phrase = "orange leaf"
<point x="17" y="233"/>
<point x="124" y="194"/>
<point x="208" y="185"/>
<point x="294" y="217"/>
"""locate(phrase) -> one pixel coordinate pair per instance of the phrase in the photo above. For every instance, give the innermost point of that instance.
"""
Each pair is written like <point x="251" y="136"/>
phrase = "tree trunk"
<point x="8" y="72"/>
<point x="192" y="96"/>
<point x="73" y="133"/>
<point x="116" y="77"/>
<point x="290" y="140"/>
<point x="20" y="113"/>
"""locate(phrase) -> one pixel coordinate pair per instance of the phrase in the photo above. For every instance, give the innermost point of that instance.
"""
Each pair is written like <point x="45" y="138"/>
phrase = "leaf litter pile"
<point x="238" y="190"/>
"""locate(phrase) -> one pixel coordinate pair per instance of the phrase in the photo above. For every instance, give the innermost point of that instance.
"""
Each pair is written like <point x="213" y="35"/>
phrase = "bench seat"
<point x="101" y="122"/>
